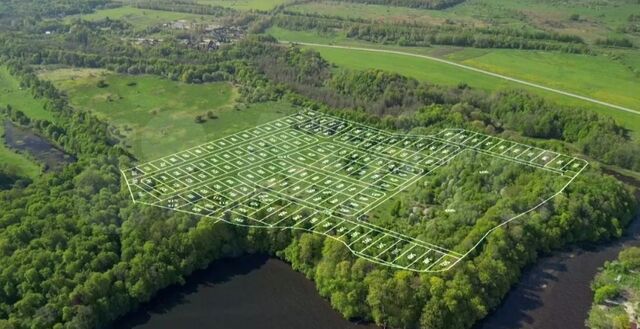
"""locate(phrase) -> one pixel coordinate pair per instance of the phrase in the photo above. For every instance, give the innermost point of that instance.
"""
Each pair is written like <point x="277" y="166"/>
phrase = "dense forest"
<point x="76" y="252"/>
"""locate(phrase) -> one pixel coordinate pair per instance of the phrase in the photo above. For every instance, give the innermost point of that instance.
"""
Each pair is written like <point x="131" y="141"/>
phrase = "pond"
<point x="25" y="140"/>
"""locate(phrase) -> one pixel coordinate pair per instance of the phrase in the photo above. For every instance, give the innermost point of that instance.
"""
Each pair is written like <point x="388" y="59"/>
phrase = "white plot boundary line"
<point x="470" y="68"/>
<point x="385" y="232"/>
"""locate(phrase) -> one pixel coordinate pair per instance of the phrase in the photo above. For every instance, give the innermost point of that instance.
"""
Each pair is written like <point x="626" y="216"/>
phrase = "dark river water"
<point x="24" y="140"/>
<point x="255" y="291"/>
<point x="252" y="291"/>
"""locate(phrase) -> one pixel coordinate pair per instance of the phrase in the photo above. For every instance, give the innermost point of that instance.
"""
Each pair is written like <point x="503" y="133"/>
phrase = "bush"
<point x="102" y="84"/>
<point x="606" y="292"/>
<point x="200" y="119"/>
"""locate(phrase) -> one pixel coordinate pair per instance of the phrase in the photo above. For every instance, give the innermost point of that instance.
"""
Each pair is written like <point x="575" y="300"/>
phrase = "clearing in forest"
<point x="318" y="173"/>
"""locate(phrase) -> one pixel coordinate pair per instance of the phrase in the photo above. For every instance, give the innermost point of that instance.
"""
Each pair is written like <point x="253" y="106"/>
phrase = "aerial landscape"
<point x="320" y="164"/>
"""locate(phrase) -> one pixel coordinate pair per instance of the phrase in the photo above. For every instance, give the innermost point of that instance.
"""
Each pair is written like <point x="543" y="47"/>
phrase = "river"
<point x="252" y="291"/>
<point x="259" y="292"/>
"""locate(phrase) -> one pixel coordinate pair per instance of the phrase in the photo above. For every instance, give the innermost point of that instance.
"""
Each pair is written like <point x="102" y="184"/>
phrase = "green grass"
<point x="598" y="77"/>
<point x="598" y="18"/>
<point x="591" y="76"/>
<point x="264" y="5"/>
<point x="157" y="116"/>
<point x="24" y="166"/>
<point x="20" y="99"/>
<point x="140" y="18"/>
<point x="350" y="10"/>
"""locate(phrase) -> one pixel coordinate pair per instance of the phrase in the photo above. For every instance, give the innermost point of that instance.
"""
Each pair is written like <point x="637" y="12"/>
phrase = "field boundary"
<point x="471" y="68"/>
<point x="323" y="174"/>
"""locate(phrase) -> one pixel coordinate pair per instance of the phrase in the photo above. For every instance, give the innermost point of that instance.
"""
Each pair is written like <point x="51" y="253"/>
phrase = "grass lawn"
<point x="245" y="4"/>
<point x="156" y="115"/>
<point x="592" y="76"/>
<point x="25" y="166"/>
<point x="140" y="18"/>
<point x="19" y="99"/>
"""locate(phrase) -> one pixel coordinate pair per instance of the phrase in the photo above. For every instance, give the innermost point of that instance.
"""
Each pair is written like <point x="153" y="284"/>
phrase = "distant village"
<point x="202" y="36"/>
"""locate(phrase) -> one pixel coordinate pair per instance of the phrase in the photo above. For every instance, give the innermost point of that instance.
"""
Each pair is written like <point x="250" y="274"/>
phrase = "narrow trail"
<point x="470" y="68"/>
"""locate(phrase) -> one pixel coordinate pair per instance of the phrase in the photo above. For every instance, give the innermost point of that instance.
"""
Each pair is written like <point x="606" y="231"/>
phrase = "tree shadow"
<point x="167" y="299"/>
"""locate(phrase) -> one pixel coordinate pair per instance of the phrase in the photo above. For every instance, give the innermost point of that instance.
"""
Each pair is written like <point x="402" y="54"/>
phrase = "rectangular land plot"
<point x="322" y="174"/>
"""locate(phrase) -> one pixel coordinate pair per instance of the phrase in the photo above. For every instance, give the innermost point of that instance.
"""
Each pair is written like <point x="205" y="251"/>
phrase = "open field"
<point x="321" y="174"/>
<point x="389" y="14"/>
<point x="245" y="4"/>
<point x="597" y="77"/>
<point x="140" y="18"/>
<point x="23" y="165"/>
<point x="12" y="94"/>
<point x="156" y="115"/>
<point x="615" y="83"/>
<point x="596" y="19"/>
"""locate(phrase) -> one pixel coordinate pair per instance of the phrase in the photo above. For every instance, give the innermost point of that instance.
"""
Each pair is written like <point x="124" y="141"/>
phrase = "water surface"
<point x="25" y="140"/>
<point x="252" y="291"/>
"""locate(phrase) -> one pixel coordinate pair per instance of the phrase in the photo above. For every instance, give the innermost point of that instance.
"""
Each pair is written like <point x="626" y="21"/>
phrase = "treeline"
<point x="425" y="4"/>
<point x="387" y="94"/>
<point x="424" y="36"/>
<point x="615" y="42"/>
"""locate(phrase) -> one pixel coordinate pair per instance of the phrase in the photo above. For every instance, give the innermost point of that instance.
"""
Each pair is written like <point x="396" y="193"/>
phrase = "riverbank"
<point x="555" y="293"/>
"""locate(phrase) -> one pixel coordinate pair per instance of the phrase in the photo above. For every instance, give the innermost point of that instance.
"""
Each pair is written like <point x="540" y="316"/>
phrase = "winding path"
<point x="470" y="68"/>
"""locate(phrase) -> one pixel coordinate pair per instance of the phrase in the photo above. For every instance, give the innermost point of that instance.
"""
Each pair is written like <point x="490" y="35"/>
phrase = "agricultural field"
<point x="318" y="173"/>
<point x="263" y="5"/>
<point x="140" y="18"/>
<point x="615" y="83"/>
<point x="155" y="115"/>
<point x="20" y="99"/>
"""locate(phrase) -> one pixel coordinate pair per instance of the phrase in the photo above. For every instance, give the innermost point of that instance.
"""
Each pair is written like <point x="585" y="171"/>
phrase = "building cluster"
<point x="207" y="36"/>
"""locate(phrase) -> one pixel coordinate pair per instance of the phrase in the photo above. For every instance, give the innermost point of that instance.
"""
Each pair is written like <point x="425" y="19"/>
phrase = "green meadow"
<point x="20" y="99"/>
<point x="140" y="18"/>
<point x="596" y="18"/>
<point x="592" y="76"/>
<point x="157" y="116"/>
<point x="263" y="5"/>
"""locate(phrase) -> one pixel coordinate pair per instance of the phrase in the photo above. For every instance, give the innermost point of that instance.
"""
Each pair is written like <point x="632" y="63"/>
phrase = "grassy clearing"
<point x="20" y="99"/>
<point x="245" y="4"/>
<point x="24" y="166"/>
<point x="140" y="18"/>
<point x="592" y="76"/>
<point x="157" y="116"/>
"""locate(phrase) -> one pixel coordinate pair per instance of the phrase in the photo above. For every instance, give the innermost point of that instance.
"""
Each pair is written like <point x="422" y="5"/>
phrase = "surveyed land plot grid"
<point x="322" y="174"/>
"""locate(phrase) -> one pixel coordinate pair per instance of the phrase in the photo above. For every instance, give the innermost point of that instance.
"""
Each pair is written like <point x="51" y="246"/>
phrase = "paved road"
<point x="466" y="67"/>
